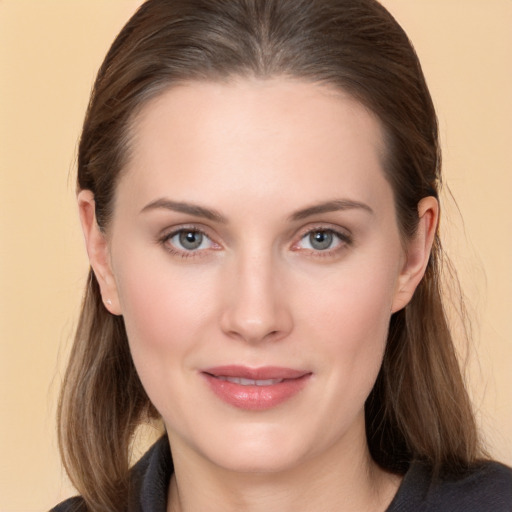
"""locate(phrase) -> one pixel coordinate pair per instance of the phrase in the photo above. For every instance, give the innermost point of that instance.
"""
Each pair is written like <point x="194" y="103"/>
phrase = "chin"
<point x="258" y="450"/>
<point x="258" y="462"/>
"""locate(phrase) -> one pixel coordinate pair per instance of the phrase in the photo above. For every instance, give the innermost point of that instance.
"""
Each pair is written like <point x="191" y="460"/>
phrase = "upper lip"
<point x="262" y="373"/>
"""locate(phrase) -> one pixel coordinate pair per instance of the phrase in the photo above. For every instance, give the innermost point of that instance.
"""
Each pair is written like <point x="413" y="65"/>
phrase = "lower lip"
<point x="256" y="398"/>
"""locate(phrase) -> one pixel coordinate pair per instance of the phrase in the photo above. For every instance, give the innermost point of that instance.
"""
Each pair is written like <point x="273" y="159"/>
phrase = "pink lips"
<point x="255" y="389"/>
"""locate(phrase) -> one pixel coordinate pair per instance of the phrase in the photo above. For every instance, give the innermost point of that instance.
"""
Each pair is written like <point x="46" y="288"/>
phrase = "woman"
<point x="258" y="189"/>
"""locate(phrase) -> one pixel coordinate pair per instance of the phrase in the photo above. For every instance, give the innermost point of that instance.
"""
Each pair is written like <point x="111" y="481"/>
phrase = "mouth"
<point x="255" y="389"/>
<point x="249" y="382"/>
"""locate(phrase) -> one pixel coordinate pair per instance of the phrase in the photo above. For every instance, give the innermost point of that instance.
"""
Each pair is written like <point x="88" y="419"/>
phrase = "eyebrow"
<point x="213" y="215"/>
<point x="330" y="206"/>
<point x="189" y="208"/>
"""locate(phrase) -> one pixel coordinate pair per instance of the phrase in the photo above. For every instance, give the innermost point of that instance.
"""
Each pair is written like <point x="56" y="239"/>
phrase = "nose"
<point x="255" y="307"/>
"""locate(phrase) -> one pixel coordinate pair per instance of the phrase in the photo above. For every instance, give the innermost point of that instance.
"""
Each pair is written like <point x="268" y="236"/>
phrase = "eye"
<point x="188" y="240"/>
<point x="322" y="240"/>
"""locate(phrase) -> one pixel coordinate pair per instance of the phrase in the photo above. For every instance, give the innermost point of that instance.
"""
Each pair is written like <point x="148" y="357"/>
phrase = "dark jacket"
<point x="487" y="488"/>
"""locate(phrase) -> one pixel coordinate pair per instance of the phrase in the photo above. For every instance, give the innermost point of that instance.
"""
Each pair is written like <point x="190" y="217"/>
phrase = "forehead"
<point x="257" y="138"/>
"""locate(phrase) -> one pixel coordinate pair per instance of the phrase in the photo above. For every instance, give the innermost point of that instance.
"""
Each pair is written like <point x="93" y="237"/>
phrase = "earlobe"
<point x="98" y="251"/>
<point x="418" y="252"/>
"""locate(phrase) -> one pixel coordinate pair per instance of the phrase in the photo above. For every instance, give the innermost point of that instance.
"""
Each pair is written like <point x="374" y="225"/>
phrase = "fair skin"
<point x="253" y="227"/>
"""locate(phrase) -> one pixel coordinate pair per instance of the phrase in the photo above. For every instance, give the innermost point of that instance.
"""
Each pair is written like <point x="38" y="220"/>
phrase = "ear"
<point x="98" y="251"/>
<point x="418" y="252"/>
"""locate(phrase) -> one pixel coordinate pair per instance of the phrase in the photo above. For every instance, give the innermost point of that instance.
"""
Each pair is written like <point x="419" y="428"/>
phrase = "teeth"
<point x="250" y="382"/>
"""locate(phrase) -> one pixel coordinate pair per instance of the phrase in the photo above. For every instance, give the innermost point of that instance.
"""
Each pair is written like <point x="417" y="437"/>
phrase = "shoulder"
<point x="75" y="504"/>
<point x="149" y="480"/>
<point x="486" y="488"/>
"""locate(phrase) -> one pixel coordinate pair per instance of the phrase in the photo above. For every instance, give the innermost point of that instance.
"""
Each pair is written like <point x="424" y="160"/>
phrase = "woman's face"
<point x="256" y="260"/>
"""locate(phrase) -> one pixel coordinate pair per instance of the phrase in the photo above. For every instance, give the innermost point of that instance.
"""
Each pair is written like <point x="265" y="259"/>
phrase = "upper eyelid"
<point x="337" y="230"/>
<point x="172" y="231"/>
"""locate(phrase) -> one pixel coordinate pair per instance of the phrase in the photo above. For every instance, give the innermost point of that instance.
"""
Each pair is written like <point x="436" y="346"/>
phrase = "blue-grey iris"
<point x="190" y="240"/>
<point x="321" y="240"/>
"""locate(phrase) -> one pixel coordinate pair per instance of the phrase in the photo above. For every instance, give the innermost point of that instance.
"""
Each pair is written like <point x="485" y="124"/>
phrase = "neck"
<point x="343" y="480"/>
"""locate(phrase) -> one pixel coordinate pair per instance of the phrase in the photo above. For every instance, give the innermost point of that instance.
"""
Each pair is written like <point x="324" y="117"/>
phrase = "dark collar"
<point x="486" y="488"/>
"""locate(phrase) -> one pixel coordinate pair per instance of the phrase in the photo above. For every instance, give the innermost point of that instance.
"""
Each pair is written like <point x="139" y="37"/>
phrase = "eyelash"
<point x="344" y="240"/>
<point x="165" y="242"/>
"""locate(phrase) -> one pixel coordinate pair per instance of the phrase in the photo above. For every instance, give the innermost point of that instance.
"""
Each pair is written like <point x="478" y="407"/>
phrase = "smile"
<point x="255" y="389"/>
<point x="250" y="382"/>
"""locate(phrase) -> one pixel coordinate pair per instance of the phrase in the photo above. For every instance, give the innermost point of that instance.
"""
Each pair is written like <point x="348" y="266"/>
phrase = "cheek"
<point x="352" y="304"/>
<point x="349" y="317"/>
<point x="164" y="308"/>
<point x="167" y="314"/>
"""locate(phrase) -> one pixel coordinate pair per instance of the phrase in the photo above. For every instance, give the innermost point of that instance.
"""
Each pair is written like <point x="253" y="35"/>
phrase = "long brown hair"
<point x="419" y="408"/>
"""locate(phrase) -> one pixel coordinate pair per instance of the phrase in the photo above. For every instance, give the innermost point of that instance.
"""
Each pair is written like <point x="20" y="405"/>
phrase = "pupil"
<point x="191" y="239"/>
<point x="320" y="240"/>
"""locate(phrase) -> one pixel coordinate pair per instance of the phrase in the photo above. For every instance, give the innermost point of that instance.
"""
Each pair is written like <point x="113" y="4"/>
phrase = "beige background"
<point x="49" y="52"/>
